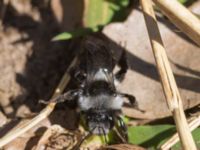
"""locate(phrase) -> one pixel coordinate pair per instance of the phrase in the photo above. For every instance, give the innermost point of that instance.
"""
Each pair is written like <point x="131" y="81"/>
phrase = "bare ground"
<point x="31" y="66"/>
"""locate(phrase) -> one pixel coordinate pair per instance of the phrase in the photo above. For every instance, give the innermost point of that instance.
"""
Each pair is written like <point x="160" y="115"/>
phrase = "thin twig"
<point x="181" y="17"/>
<point x="122" y="147"/>
<point x="174" y="139"/>
<point x="42" y="115"/>
<point x="167" y="79"/>
<point x="3" y="11"/>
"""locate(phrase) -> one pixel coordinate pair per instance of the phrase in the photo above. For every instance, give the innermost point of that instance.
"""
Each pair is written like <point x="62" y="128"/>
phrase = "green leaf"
<point x="183" y="1"/>
<point x="187" y="2"/>
<point x="97" y="13"/>
<point x="62" y="36"/>
<point x="153" y="136"/>
<point x="102" y="12"/>
<point x="76" y="33"/>
<point x="150" y="136"/>
<point x="111" y="137"/>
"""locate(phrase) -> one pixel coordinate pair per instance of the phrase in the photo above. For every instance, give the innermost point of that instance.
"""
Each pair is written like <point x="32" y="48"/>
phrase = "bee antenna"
<point x="104" y="135"/>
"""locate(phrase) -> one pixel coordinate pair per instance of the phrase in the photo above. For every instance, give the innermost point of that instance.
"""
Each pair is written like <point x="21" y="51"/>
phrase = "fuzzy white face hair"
<point x="102" y="100"/>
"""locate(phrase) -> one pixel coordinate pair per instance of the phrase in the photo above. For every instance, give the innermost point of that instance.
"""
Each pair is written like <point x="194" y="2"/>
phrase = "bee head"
<point x="99" y="121"/>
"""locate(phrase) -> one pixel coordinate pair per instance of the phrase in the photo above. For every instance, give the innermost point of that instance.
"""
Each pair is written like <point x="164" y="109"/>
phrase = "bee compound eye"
<point x="110" y="118"/>
<point x="80" y="76"/>
<point x="105" y="70"/>
<point x="115" y="94"/>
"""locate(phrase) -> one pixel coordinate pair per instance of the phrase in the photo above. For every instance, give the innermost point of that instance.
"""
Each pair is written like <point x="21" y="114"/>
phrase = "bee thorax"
<point x="100" y="102"/>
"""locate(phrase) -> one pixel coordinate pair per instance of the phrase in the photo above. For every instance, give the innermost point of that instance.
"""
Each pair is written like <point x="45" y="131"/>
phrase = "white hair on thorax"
<point x="102" y="101"/>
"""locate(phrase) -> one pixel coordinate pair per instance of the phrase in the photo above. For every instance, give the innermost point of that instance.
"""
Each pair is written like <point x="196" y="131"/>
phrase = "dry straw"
<point x="42" y="115"/>
<point x="167" y="79"/>
<point x="174" y="139"/>
<point x="183" y="19"/>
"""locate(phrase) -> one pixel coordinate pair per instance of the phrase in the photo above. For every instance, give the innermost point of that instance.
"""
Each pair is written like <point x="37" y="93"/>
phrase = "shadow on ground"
<point x="49" y="60"/>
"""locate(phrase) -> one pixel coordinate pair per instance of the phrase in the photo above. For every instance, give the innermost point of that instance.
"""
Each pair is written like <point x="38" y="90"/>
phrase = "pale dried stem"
<point x="174" y="139"/>
<point x="16" y="132"/>
<point x="167" y="79"/>
<point x="3" y="11"/>
<point x="181" y="17"/>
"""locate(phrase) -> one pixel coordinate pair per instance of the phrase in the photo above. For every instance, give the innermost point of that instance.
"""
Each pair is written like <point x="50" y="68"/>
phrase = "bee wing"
<point x="99" y="62"/>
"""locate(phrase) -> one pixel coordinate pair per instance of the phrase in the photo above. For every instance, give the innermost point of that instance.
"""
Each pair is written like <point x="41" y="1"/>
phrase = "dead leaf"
<point x="142" y="79"/>
<point x="57" y="137"/>
<point x="123" y="147"/>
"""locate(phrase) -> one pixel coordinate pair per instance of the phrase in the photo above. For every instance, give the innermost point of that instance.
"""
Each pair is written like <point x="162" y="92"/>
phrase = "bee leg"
<point x="132" y="101"/>
<point x="131" y="98"/>
<point x="68" y="96"/>
<point x="122" y="129"/>
<point x="120" y="75"/>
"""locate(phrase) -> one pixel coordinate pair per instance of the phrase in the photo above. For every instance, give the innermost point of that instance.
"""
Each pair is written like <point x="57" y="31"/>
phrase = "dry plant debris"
<point x="28" y="57"/>
<point x="57" y="138"/>
<point x="123" y="147"/>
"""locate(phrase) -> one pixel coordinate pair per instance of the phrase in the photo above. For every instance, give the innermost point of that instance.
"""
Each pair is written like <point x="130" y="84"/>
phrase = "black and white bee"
<point x="98" y="100"/>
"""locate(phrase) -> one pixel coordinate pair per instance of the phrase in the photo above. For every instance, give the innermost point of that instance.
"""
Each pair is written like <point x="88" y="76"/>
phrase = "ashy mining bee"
<point x="98" y="100"/>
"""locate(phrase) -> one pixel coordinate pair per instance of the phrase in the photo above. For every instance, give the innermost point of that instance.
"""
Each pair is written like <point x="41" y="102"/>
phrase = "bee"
<point x="98" y="100"/>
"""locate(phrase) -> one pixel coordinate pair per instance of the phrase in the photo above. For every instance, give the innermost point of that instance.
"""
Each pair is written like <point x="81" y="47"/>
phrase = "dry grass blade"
<point x="174" y="139"/>
<point x="167" y="79"/>
<point x="123" y="147"/>
<point x="181" y="17"/>
<point x="3" y="10"/>
<point x="16" y="132"/>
